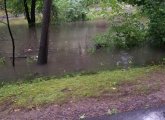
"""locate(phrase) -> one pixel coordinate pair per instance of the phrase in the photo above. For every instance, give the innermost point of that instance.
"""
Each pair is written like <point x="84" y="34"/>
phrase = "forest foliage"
<point x="144" y="26"/>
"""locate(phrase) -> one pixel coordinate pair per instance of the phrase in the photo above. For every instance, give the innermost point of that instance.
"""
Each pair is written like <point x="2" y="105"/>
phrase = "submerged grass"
<point x="60" y="90"/>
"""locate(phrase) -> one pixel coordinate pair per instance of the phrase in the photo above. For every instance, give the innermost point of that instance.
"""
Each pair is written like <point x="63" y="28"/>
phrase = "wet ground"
<point x="70" y="50"/>
<point x="127" y="99"/>
<point x="157" y="113"/>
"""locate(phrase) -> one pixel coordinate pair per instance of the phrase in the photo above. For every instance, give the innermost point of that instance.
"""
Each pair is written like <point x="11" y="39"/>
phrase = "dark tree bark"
<point x="33" y="6"/>
<point x="27" y="12"/>
<point x="11" y="35"/>
<point x="43" y="49"/>
<point x="30" y="15"/>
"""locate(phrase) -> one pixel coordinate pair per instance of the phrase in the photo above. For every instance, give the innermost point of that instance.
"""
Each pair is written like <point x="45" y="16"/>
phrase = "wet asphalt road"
<point x="157" y="113"/>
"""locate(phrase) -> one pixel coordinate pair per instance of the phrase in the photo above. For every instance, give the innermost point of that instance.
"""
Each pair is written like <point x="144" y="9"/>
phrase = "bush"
<point x="126" y="31"/>
<point x="156" y="13"/>
<point x="68" y="11"/>
<point x="76" y="11"/>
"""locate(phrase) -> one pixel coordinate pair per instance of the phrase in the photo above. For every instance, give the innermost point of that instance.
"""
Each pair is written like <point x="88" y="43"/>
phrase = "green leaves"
<point x="155" y="10"/>
<point x="125" y="31"/>
<point x="69" y="10"/>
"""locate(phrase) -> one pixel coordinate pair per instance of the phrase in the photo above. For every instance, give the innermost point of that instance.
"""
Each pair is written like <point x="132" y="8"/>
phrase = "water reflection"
<point x="154" y="116"/>
<point x="125" y="60"/>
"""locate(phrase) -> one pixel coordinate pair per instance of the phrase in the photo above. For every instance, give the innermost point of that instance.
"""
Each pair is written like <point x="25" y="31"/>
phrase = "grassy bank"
<point x="60" y="90"/>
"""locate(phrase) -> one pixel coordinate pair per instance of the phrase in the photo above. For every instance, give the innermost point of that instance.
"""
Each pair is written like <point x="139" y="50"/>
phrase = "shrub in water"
<point x="126" y="31"/>
<point x="155" y="11"/>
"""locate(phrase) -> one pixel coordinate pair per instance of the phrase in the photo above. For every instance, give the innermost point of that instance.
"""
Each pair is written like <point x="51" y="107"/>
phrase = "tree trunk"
<point x="27" y="12"/>
<point x="43" y="49"/>
<point x="11" y="35"/>
<point x="30" y="16"/>
<point x="33" y="6"/>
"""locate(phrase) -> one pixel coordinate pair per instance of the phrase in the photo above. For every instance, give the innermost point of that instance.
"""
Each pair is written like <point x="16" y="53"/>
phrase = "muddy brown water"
<point x="70" y="50"/>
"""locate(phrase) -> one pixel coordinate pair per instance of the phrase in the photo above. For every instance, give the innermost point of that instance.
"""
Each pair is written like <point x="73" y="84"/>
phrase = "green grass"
<point x="60" y="90"/>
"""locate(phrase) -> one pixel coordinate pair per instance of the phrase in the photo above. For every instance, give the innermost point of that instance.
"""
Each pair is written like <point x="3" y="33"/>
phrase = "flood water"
<point x="70" y="50"/>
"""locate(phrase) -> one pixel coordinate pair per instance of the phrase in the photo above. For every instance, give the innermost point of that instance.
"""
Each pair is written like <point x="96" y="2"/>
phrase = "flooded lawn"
<point x="70" y="50"/>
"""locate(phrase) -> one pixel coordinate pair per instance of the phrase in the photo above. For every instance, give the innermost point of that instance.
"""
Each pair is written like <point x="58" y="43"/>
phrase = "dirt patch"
<point x="144" y="92"/>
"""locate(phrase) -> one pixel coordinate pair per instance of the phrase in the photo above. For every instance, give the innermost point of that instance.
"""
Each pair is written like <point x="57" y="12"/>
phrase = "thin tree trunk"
<point x="11" y="35"/>
<point x="43" y="49"/>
